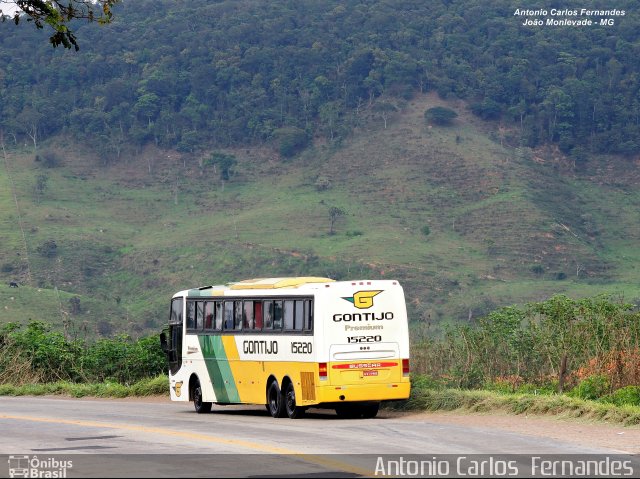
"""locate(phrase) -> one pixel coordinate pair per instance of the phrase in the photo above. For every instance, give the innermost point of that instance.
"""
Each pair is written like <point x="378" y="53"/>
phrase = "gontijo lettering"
<point x="362" y="316"/>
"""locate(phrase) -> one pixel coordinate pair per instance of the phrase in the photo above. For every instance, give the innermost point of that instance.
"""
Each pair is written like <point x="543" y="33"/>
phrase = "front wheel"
<point x="200" y="406"/>
<point x="293" y="411"/>
<point x="275" y="402"/>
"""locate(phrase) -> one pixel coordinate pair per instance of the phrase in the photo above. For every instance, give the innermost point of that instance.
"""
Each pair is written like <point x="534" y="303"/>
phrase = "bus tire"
<point x="370" y="410"/>
<point x="200" y="406"/>
<point x="275" y="401"/>
<point x="292" y="410"/>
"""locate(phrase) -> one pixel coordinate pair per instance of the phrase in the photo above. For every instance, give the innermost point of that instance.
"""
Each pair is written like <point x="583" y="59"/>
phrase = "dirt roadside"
<point x="623" y="439"/>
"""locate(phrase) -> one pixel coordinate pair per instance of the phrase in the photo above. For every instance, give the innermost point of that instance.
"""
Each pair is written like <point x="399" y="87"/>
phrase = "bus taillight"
<point x="322" y="370"/>
<point x="405" y="367"/>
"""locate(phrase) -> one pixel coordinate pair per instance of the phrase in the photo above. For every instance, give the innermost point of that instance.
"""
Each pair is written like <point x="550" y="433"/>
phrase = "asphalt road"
<point x="161" y="439"/>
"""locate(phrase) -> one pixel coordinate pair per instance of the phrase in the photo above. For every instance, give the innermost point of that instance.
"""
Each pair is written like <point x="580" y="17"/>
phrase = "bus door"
<point x="171" y="339"/>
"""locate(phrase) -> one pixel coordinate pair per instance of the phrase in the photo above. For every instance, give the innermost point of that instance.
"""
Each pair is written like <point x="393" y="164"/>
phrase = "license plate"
<point x="369" y="373"/>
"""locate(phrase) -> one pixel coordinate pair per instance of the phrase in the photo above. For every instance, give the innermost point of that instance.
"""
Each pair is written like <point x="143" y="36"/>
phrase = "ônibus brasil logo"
<point x="363" y="299"/>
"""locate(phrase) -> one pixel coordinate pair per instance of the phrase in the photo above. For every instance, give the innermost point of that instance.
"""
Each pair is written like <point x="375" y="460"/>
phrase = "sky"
<point x="8" y="7"/>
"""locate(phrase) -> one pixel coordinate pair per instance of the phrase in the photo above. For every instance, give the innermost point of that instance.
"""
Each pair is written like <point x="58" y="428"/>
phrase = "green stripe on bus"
<point x="219" y="369"/>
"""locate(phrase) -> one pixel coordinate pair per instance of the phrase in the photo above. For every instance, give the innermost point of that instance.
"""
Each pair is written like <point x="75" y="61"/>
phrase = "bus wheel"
<point x="275" y="401"/>
<point x="200" y="406"/>
<point x="370" y="410"/>
<point x="293" y="411"/>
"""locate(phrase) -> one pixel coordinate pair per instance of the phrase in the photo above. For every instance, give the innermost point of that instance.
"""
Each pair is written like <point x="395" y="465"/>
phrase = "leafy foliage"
<point x="237" y="72"/>
<point x="58" y="15"/>
<point x="44" y="355"/>
<point x="526" y="345"/>
<point x="440" y="115"/>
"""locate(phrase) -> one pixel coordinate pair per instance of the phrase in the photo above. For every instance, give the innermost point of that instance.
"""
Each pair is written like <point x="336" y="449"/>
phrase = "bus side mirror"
<point x="163" y="343"/>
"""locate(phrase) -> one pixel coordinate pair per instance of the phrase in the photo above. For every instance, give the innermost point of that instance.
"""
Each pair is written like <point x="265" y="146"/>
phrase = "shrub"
<point x="594" y="387"/>
<point x="440" y="115"/>
<point x="291" y="140"/>
<point x="48" y="159"/>
<point x="48" y="249"/>
<point x="626" y="396"/>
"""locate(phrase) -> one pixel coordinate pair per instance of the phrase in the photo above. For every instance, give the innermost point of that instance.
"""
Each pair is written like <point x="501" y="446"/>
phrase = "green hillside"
<point x="505" y="224"/>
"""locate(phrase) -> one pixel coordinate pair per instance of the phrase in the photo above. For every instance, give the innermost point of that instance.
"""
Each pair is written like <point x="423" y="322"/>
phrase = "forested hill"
<point x="198" y="74"/>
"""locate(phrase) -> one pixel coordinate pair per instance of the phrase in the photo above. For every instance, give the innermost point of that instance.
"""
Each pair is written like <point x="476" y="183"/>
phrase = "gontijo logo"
<point x="363" y="299"/>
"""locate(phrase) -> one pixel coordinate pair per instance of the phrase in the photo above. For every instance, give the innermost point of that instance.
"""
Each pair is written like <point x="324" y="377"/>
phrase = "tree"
<point x="223" y="161"/>
<point x="335" y="212"/>
<point x="58" y="14"/>
<point x="384" y="109"/>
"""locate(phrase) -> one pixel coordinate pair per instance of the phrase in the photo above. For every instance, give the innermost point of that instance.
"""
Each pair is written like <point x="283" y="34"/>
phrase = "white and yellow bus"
<point x="290" y="343"/>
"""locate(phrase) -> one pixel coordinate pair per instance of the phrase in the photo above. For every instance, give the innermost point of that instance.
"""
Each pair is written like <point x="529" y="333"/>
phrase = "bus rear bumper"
<point x="363" y="392"/>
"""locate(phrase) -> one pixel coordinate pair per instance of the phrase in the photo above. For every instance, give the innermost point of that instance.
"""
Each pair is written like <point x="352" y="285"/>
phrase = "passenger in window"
<point x="257" y="309"/>
<point x="208" y="315"/>
<point x="247" y="315"/>
<point x="219" y="315"/>
<point x="228" y="315"/>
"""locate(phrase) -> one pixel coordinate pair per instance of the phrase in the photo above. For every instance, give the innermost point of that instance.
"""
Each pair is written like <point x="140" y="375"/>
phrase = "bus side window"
<point x="308" y="315"/>
<point x="257" y="314"/>
<point x="277" y="315"/>
<point x="268" y="315"/>
<point x="208" y="315"/>
<point x="299" y="316"/>
<point x="191" y="314"/>
<point x="219" y="315"/>
<point x="237" y="323"/>
<point x="228" y="315"/>
<point x="247" y="315"/>
<point x="288" y="315"/>
<point x="199" y="315"/>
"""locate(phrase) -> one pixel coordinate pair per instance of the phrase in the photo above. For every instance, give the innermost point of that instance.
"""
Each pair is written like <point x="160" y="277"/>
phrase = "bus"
<point x="290" y="344"/>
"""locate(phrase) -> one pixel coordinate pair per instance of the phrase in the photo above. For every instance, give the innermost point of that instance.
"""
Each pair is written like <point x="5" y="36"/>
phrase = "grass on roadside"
<point x="145" y="387"/>
<point x="422" y="399"/>
<point x="481" y="401"/>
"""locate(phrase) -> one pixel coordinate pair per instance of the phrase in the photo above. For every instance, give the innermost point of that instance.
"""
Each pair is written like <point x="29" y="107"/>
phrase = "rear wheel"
<point x="370" y="410"/>
<point x="293" y="411"/>
<point x="275" y="401"/>
<point x="200" y="406"/>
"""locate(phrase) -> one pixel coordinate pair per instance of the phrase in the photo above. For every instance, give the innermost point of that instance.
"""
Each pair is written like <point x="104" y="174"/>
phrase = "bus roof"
<point x="256" y="283"/>
<point x="274" y="283"/>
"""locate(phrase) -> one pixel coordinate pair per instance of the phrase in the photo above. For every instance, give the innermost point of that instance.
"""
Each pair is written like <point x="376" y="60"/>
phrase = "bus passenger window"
<point x="299" y="317"/>
<point x="219" y="316"/>
<point x="208" y="315"/>
<point x="277" y="315"/>
<point x="191" y="315"/>
<point x="237" y="323"/>
<point x="228" y="315"/>
<point x="308" y="315"/>
<point x="268" y="315"/>
<point x="288" y="315"/>
<point x="247" y="315"/>
<point x="199" y="315"/>
<point x="257" y="314"/>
